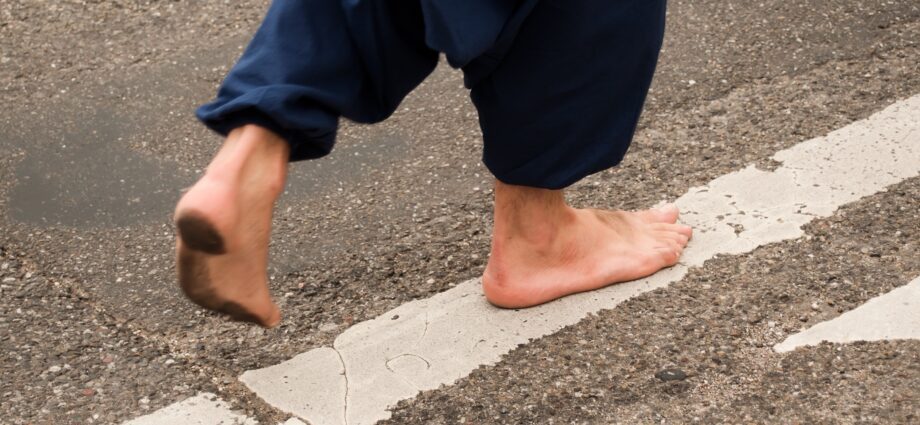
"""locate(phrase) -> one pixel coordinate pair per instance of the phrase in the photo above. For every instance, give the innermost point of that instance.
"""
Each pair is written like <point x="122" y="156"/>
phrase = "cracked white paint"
<point x="312" y="384"/>
<point x="202" y="409"/>
<point x="895" y="315"/>
<point x="427" y="343"/>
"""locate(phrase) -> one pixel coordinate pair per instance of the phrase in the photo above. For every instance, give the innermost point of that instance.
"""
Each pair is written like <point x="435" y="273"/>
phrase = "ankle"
<point x="262" y="141"/>
<point x="529" y="214"/>
<point x="252" y="155"/>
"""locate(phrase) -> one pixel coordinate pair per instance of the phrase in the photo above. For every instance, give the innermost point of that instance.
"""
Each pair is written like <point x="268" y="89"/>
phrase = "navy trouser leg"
<point x="564" y="100"/>
<point x="312" y="61"/>
<point x="559" y="84"/>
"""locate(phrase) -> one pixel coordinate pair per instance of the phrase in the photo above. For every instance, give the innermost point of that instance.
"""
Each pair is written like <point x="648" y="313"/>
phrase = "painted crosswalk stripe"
<point x="895" y="315"/>
<point x="427" y="343"/>
<point x="202" y="409"/>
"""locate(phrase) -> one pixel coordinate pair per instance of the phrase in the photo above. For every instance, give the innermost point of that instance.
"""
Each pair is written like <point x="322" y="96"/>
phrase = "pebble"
<point x="54" y="369"/>
<point x="671" y="374"/>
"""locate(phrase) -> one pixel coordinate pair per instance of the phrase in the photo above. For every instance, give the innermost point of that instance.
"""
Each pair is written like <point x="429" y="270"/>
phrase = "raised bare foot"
<point x="224" y="224"/>
<point x="542" y="249"/>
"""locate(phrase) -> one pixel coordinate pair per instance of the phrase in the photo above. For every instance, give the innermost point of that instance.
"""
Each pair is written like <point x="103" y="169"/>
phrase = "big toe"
<point x="664" y="214"/>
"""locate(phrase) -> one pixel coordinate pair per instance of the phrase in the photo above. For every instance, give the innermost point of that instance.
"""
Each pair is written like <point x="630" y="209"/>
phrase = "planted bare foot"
<point x="224" y="224"/>
<point x="543" y="249"/>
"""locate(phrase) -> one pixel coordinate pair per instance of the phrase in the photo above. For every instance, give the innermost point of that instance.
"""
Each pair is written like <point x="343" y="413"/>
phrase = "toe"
<point x="675" y="245"/>
<point x="267" y="316"/>
<point x="670" y="253"/>
<point x="680" y="238"/>
<point x="682" y="229"/>
<point x="274" y="318"/>
<point x="665" y="214"/>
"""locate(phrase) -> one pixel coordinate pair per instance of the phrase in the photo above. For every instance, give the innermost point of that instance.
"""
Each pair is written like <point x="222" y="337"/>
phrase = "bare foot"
<point x="542" y="249"/>
<point x="224" y="224"/>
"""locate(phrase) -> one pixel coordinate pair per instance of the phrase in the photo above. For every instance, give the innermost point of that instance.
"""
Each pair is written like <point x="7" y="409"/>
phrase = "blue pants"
<point x="558" y="84"/>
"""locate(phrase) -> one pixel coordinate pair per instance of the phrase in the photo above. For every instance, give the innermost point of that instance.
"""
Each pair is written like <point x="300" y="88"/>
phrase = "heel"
<point x="199" y="234"/>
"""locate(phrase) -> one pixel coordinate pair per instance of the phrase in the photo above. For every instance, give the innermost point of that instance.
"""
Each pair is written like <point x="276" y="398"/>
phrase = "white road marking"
<point x="427" y="343"/>
<point x="315" y="392"/>
<point x="202" y="409"/>
<point x="895" y="315"/>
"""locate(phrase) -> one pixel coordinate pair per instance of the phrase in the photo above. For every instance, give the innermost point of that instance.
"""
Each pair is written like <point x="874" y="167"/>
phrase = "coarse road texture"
<point x="97" y="140"/>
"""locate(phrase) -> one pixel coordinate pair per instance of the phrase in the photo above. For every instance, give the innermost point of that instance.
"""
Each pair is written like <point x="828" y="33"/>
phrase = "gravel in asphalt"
<point x="63" y="362"/>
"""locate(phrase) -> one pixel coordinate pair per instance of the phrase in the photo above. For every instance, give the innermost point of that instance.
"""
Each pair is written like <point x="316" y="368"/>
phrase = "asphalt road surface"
<point x="787" y="129"/>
